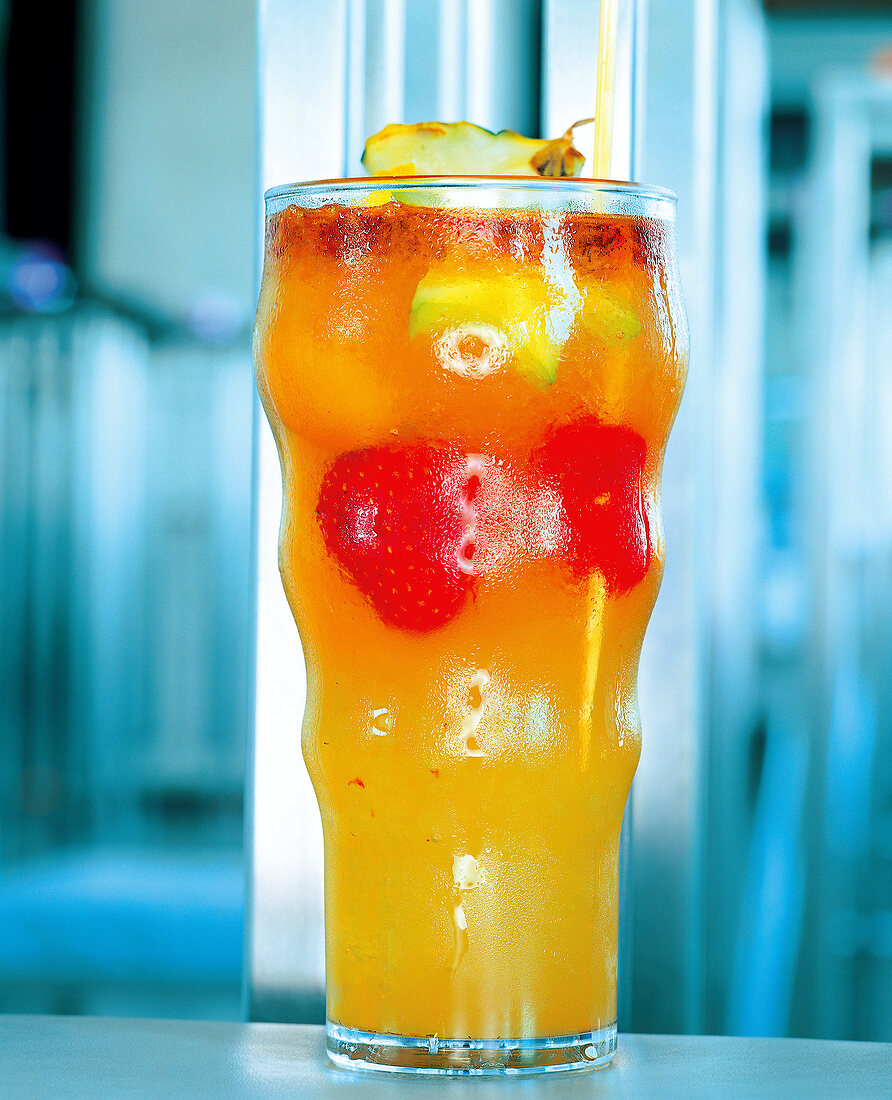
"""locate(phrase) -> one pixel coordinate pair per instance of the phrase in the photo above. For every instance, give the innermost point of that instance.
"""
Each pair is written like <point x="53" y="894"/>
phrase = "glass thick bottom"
<point x="469" y="1057"/>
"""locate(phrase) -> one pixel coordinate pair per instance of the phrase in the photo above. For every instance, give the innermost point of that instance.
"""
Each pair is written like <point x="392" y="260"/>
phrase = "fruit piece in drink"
<point x="460" y="148"/>
<point x="597" y="471"/>
<point x="393" y="519"/>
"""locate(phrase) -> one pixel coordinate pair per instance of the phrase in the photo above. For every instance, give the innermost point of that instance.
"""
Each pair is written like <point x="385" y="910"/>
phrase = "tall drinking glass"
<point x="471" y="382"/>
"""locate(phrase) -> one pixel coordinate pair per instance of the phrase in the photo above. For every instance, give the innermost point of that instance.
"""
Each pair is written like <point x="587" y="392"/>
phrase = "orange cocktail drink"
<point x="471" y="384"/>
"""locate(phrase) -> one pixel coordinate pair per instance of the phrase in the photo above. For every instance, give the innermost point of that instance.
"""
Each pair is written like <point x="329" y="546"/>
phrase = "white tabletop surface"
<point x="43" y="1057"/>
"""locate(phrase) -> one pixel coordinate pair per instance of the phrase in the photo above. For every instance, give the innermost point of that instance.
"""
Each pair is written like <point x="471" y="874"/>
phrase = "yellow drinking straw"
<point x="604" y="90"/>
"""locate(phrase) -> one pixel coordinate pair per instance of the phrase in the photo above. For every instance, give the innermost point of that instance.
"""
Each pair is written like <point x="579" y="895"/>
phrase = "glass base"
<point x="469" y="1057"/>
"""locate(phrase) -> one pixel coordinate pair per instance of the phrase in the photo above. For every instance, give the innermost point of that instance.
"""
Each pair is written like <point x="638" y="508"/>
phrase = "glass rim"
<point x="571" y="185"/>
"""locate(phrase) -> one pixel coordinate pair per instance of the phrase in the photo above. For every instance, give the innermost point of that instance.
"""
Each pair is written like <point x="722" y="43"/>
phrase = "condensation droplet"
<point x="476" y="699"/>
<point x="466" y="550"/>
<point x="460" y="926"/>
<point x="468" y="544"/>
<point x="466" y="873"/>
<point x="473" y="351"/>
<point x="382" y="722"/>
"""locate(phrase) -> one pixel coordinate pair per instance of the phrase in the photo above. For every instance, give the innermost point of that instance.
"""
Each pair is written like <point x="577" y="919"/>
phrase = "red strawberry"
<point x="597" y="469"/>
<point x="393" y="518"/>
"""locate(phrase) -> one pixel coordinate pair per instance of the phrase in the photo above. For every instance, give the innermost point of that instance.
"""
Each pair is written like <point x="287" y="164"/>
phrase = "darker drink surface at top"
<point x="592" y="242"/>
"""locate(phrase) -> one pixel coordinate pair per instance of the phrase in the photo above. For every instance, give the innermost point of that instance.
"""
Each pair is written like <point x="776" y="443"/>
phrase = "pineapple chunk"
<point x="479" y="322"/>
<point x="606" y="316"/>
<point x="460" y="148"/>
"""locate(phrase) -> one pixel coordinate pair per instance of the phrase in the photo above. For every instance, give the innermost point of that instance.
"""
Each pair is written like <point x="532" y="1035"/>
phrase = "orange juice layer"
<point x="472" y="588"/>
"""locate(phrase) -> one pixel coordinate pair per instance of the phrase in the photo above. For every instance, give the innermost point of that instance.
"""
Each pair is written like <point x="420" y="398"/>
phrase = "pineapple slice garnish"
<point x="462" y="149"/>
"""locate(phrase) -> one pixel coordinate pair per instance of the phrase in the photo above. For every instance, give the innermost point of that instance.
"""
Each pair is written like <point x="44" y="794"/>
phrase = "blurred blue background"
<point x="128" y="268"/>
